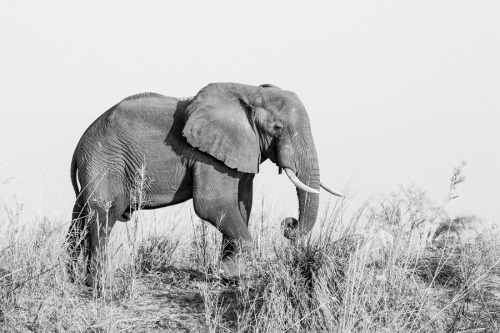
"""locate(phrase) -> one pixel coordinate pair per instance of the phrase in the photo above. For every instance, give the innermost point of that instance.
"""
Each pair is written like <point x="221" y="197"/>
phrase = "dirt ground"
<point x="171" y="302"/>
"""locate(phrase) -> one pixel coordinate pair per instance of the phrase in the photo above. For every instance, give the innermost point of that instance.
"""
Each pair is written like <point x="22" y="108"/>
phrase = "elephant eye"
<point x="278" y="127"/>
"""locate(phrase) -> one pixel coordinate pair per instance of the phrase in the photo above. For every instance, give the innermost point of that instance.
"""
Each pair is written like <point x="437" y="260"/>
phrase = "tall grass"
<point x="398" y="264"/>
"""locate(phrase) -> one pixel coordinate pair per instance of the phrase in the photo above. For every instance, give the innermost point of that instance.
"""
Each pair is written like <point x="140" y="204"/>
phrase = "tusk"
<point x="297" y="182"/>
<point x="330" y="190"/>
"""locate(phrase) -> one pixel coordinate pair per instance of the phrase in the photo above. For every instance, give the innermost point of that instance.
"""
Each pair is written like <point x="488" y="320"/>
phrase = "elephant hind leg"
<point x="77" y="238"/>
<point x="103" y="217"/>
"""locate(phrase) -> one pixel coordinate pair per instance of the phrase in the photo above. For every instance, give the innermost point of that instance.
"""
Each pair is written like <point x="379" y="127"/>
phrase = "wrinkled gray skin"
<point x="207" y="148"/>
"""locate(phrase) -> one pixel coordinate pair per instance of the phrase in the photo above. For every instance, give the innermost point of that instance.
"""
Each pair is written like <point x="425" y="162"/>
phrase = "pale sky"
<point x="398" y="92"/>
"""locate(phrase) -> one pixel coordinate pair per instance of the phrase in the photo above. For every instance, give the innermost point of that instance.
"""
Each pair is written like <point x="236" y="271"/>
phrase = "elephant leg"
<point x="76" y="239"/>
<point x="216" y="200"/>
<point x="103" y="218"/>
<point x="245" y="196"/>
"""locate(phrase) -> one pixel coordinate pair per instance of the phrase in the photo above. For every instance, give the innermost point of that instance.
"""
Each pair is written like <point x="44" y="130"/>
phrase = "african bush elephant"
<point x="207" y="148"/>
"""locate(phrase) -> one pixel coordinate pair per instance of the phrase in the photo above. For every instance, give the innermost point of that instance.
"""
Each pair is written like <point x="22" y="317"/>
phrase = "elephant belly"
<point x="165" y="200"/>
<point x="169" y="186"/>
<point x="158" y="196"/>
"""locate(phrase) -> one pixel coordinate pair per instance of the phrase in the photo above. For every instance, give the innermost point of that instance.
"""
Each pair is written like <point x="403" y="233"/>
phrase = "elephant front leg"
<point x="216" y="199"/>
<point x="245" y="197"/>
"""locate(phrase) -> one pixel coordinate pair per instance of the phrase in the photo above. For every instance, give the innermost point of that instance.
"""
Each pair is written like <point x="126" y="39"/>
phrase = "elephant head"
<point x="243" y="125"/>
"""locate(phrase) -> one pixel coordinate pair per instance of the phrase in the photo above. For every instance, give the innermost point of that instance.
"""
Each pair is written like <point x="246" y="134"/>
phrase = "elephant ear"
<point x="218" y="124"/>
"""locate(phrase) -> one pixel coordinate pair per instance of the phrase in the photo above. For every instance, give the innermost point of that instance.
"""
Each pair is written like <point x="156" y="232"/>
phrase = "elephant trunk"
<point x="308" y="203"/>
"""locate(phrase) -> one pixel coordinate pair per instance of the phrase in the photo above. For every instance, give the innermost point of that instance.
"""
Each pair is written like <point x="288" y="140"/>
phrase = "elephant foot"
<point x="230" y="270"/>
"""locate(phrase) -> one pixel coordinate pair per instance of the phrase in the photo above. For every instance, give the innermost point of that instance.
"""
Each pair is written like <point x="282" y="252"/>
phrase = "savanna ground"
<point x="397" y="264"/>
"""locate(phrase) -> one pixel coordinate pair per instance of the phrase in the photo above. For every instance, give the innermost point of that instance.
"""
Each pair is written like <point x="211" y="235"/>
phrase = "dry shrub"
<point x="299" y="288"/>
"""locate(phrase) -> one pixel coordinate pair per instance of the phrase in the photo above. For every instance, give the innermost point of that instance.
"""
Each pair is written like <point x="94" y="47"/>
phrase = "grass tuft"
<point x="154" y="254"/>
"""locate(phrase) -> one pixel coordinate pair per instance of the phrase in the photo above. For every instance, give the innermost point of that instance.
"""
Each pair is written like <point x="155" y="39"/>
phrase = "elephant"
<point x="207" y="148"/>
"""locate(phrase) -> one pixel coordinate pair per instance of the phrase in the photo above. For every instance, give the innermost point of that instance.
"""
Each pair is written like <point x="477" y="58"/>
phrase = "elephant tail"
<point x="74" y="168"/>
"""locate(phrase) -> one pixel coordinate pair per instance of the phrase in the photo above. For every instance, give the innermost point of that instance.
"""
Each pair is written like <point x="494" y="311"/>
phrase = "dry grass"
<point x="399" y="264"/>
